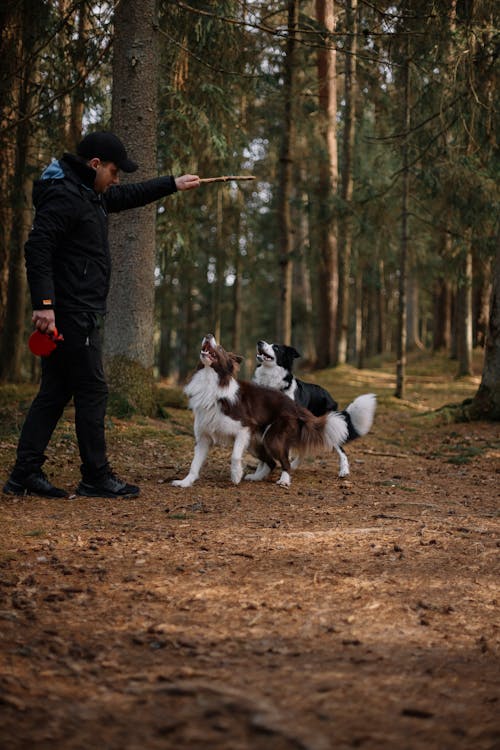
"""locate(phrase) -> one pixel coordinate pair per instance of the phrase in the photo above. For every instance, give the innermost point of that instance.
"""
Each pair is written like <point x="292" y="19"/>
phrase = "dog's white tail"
<point x="361" y="412"/>
<point x="336" y="431"/>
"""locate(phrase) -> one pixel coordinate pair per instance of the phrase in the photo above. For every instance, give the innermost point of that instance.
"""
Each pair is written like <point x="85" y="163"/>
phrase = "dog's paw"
<point x="186" y="482"/>
<point x="236" y="472"/>
<point x="259" y="474"/>
<point x="344" y="465"/>
<point x="284" y="480"/>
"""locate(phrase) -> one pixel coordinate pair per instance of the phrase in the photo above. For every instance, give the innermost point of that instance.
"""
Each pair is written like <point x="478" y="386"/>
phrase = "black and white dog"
<point x="275" y="370"/>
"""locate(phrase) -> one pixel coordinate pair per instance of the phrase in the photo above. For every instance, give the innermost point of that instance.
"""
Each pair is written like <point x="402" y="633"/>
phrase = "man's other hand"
<point x="44" y="320"/>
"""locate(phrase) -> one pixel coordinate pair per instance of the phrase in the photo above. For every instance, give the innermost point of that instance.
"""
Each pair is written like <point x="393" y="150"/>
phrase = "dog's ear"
<point x="236" y="359"/>
<point x="293" y="352"/>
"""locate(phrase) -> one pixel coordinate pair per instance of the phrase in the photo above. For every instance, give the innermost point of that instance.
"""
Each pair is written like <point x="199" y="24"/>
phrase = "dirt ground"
<point x="334" y="614"/>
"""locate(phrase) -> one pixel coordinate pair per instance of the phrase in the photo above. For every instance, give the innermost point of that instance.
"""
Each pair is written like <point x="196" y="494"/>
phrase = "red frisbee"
<point x="43" y="344"/>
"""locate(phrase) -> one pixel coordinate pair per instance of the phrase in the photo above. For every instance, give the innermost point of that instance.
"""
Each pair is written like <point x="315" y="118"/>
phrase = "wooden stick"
<point x="226" y="178"/>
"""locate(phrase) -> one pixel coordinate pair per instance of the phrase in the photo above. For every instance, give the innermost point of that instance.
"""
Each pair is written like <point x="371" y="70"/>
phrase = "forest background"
<point x="371" y="228"/>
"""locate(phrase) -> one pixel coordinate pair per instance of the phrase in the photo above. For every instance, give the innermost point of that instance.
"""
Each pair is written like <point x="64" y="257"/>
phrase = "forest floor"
<point x="335" y="614"/>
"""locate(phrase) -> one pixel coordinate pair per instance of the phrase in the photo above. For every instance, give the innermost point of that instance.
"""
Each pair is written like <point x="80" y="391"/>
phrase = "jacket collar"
<point x="80" y="171"/>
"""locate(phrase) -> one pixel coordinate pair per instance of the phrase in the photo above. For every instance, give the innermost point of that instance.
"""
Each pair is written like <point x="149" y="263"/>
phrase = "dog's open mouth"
<point x="207" y="352"/>
<point x="263" y="353"/>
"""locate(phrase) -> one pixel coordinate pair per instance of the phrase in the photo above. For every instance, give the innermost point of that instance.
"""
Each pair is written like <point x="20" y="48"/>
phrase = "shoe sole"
<point x="24" y="492"/>
<point x="111" y="495"/>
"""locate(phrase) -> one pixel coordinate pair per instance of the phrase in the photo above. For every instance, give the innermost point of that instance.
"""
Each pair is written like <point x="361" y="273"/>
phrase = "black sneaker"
<point x="108" y="486"/>
<point x="33" y="484"/>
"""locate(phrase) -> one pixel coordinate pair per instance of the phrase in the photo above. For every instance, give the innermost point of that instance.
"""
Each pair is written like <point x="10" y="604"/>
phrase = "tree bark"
<point x="218" y="285"/>
<point x="464" y="312"/>
<point x="12" y="344"/>
<point x="237" y="286"/>
<point x="403" y="255"/>
<point x="285" y="179"/>
<point x="442" y="315"/>
<point x="413" y="313"/>
<point x="129" y="327"/>
<point x="10" y="55"/>
<point x="486" y="402"/>
<point x="347" y="184"/>
<point x="328" y="181"/>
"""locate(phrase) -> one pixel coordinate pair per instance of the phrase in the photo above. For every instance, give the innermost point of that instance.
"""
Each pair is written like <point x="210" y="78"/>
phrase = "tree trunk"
<point x="71" y="105"/>
<point x="12" y="341"/>
<point x="481" y="301"/>
<point x="327" y="188"/>
<point x="357" y="334"/>
<point x="187" y="343"/>
<point x="413" y="313"/>
<point x="10" y="55"/>
<point x="74" y="129"/>
<point x="403" y="257"/>
<point x="442" y="316"/>
<point x="218" y="285"/>
<point x="129" y="328"/>
<point x="381" y="307"/>
<point x="165" y="312"/>
<point x="486" y="402"/>
<point x="346" y="228"/>
<point x="237" y="286"/>
<point x="303" y="280"/>
<point x="464" y="313"/>
<point x="285" y="179"/>
<point x="12" y="345"/>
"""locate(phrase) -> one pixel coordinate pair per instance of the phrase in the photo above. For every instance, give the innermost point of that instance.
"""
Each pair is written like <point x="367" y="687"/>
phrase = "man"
<point x="68" y="266"/>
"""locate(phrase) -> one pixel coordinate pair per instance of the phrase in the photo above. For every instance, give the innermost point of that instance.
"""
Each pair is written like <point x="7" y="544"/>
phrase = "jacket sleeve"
<point x="54" y="216"/>
<point x="121" y="197"/>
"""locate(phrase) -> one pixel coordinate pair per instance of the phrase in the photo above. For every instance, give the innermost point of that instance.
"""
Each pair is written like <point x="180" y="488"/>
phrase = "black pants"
<point x="73" y="370"/>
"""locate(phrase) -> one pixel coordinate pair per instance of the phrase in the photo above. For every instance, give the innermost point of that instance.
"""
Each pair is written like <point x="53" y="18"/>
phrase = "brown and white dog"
<point x="275" y="370"/>
<point x="258" y="419"/>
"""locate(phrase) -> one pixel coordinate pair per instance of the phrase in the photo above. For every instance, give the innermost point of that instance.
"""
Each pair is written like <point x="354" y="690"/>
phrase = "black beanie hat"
<point x="107" y="147"/>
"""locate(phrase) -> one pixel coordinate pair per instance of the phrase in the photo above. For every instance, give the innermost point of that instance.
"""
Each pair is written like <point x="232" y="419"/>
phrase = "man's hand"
<point x="187" y="182"/>
<point x="44" y="320"/>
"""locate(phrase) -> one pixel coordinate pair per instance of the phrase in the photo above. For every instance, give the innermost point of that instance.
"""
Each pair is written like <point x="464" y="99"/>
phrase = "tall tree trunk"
<point x="303" y="280"/>
<point x="443" y="294"/>
<point x="486" y="402"/>
<point x="357" y="333"/>
<point x="403" y="256"/>
<point x="218" y="285"/>
<point x="164" y="305"/>
<point x="347" y="184"/>
<point x="12" y="344"/>
<point x="442" y="315"/>
<point x="129" y="328"/>
<point x="327" y="189"/>
<point x="237" y="286"/>
<point x="186" y="347"/>
<point x="464" y="312"/>
<point x="481" y="302"/>
<point x="78" y="93"/>
<point x="12" y="340"/>
<point x="71" y="105"/>
<point x="413" y="313"/>
<point x="285" y="179"/>
<point x="10" y="55"/>
<point x="381" y="307"/>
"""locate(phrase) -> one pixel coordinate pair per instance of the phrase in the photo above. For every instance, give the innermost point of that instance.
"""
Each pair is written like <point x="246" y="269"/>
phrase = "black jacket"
<point x="67" y="253"/>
